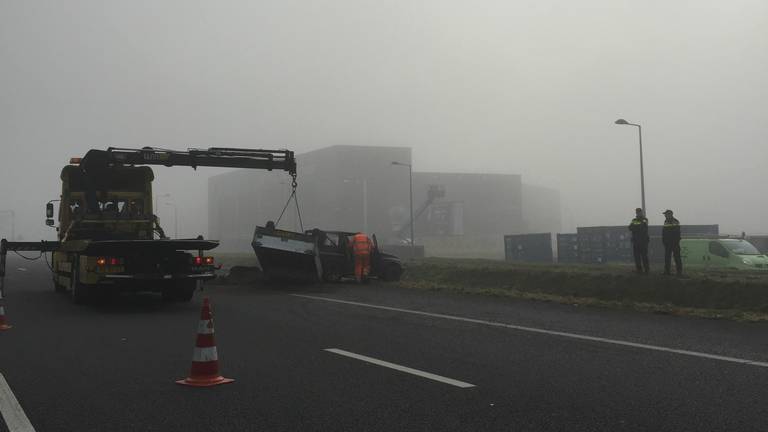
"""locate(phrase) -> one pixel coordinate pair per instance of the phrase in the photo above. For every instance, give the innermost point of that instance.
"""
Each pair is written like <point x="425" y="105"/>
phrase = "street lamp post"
<point x="364" y="182"/>
<point x="410" y="174"/>
<point x="13" y="222"/>
<point x="175" y="219"/>
<point x="156" y="208"/>
<point x="642" y="174"/>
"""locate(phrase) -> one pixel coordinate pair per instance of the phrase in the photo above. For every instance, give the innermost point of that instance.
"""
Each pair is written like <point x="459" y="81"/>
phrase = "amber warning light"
<point x="102" y="261"/>
<point x="198" y="261"/>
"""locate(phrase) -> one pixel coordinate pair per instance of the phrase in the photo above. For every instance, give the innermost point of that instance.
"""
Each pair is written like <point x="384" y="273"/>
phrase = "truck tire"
<point x="185" y="293"/>
<point x="80" y="292"/>
<point x="59" y="288"/>
<point x="180" y="291"/>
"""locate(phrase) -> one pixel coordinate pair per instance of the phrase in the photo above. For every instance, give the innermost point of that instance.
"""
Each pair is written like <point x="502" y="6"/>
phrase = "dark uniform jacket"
<point x="670" y="233"/>
<point x="639" y="229"/>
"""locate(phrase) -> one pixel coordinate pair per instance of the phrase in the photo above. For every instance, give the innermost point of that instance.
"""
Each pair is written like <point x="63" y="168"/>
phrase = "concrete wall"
<point x="356" y="188"/>
<point x="492" y="203"/>
<point x="352" y="188"/>
<point x="541" y="209"/>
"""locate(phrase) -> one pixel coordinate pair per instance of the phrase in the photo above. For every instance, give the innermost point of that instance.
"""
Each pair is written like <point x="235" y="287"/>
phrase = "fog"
<point x="525" y="87"/>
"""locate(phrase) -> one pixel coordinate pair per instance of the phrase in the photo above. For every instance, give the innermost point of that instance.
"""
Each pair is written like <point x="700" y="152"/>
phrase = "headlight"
<point x="746" y="261"/>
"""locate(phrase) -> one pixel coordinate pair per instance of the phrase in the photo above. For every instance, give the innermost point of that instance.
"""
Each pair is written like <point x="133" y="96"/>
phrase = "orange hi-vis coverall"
<point x="362" y="247"/>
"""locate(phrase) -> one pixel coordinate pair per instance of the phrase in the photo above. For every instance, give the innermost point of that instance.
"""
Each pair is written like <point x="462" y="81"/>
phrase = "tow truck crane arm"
<point x="97" y="163"/>
<point x="270" y="160"/>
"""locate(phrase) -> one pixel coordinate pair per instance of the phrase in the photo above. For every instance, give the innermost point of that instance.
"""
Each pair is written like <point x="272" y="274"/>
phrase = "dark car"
<point x="338" y="262"/>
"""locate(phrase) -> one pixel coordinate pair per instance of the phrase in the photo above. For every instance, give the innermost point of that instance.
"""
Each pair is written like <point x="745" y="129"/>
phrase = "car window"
<point x="715" y="248"/>
<point x="331" y="239"/>
<point x="741" y="247"/>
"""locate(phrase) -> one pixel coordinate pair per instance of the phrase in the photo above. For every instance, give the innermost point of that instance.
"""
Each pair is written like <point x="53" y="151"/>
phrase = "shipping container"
<point x="599" y="245"/>
<point x="528" y="247"/>
<point x="568" y="248"/>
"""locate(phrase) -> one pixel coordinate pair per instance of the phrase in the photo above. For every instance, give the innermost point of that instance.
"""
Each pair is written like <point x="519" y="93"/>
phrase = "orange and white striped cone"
<point x="205" y="359"/>
<point x="3" y="324"/>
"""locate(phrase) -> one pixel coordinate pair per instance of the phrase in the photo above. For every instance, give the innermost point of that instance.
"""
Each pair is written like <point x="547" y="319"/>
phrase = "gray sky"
<point x="529" y="87"/>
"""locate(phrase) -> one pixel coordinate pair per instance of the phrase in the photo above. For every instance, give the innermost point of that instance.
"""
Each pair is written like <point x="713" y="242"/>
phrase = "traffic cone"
<point x="205" y="359"/>
<point x="3" y="324"/>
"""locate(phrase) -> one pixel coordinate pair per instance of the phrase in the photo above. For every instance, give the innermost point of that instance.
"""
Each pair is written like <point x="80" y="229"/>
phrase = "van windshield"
<point x="741" y="247"/>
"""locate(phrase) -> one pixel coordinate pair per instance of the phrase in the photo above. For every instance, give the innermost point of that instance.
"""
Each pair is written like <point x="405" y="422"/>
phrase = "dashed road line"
<point x="548" y="332"/>
<point x="400" y="368"/>
<point x="12" y="413"/>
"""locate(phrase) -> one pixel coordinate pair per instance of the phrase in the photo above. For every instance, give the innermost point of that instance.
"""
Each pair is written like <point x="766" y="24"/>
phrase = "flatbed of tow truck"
<point x="109" y="239"/>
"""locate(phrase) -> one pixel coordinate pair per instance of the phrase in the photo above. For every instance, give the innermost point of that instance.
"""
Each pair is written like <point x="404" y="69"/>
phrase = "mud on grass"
<point x="738" y="296"/>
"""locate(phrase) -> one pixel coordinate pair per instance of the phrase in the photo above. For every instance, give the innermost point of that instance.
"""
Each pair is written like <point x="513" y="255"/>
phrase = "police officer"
<point x="640" y="239"/>
<point x="670" y="236"/>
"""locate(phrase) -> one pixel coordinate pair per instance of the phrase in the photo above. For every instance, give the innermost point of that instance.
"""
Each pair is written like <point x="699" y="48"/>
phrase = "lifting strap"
<point x="295" y="199"/>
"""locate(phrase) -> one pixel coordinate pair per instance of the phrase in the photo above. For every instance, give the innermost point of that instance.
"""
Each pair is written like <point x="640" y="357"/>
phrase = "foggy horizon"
<point x="530" y="88"/>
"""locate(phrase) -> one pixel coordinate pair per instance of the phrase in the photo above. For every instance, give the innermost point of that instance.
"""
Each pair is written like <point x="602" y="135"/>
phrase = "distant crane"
<point x="433" y="193"/>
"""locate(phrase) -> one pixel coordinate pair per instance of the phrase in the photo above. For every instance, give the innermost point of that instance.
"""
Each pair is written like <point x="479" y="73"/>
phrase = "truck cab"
<point x="111" y="241"/>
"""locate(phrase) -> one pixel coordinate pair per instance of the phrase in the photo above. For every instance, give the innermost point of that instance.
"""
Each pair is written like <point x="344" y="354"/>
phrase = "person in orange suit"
<point x="362" y="247"/>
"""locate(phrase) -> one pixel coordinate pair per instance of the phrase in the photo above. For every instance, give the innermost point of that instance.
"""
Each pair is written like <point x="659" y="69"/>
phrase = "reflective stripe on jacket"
<point x="670" y="232"/>
<point x="639" y="229"/>
<point x="361" y="244"/>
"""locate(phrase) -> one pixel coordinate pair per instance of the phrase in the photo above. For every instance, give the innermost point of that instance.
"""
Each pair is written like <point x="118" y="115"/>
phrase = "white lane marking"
<point x="405" y="369"/>
<point x="12" y="413"/>
<point x="549" y="332"/>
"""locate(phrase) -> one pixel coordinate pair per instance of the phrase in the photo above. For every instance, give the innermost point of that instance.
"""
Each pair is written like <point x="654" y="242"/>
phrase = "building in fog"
<point x="356" y="188"/>
<point x="541" y="209"/>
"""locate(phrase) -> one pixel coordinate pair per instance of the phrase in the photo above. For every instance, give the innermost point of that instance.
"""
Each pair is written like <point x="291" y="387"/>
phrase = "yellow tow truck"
<point x="109" y="239"/>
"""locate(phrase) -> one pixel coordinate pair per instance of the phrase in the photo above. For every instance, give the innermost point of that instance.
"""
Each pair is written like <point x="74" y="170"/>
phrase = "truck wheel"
<point x="185" y="291"/>
<point x="181" y="291"/>
<point x="80" y="292"/>
<point x="59" y="288"/>
<point x="185" y="294"/>
<point x="392" y="273"/>
<point x="168" y="293"/>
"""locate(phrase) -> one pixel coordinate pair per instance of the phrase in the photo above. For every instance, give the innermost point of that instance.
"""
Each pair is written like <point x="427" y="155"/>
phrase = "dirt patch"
<point x="241" y="275"/>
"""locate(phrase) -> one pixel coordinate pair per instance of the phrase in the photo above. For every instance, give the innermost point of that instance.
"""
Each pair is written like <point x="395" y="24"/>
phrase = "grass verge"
<point x="736" y="296"/>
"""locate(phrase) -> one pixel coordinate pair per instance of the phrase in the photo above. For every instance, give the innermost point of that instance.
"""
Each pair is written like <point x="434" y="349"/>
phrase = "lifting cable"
<point x="295" y="199"/>
<point x="43" y="255"/>
<point x="28" y="258"/>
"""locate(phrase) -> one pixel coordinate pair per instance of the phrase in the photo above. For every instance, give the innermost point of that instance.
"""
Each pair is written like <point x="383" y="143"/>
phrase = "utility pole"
<point x="365" y="205"/>
<point x="175" y="220"/>
<point x="13" y="222"/>
<point x="642" y="174"/>
<point x="410" y="174"/>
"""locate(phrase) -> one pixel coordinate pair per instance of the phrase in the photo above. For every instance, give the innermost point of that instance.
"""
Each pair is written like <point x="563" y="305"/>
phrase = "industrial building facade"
<point x="357" y="188"/>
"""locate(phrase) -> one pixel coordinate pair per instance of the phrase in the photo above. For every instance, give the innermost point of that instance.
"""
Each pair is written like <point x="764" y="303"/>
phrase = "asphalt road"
<point x="112" y="366"/>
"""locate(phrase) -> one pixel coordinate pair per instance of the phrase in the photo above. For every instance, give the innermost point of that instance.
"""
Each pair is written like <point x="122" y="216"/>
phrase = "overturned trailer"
<point x="316" y="255"/>
<point x="287" y="255"/>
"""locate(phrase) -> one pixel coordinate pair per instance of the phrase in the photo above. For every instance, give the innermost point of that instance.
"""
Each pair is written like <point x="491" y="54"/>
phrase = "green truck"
<point x="714" y="254"/>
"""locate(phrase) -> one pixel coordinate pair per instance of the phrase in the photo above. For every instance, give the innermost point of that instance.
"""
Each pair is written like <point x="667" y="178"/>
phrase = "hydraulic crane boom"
<point x="99" y="169"/>
<point x="97" y="160"/>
